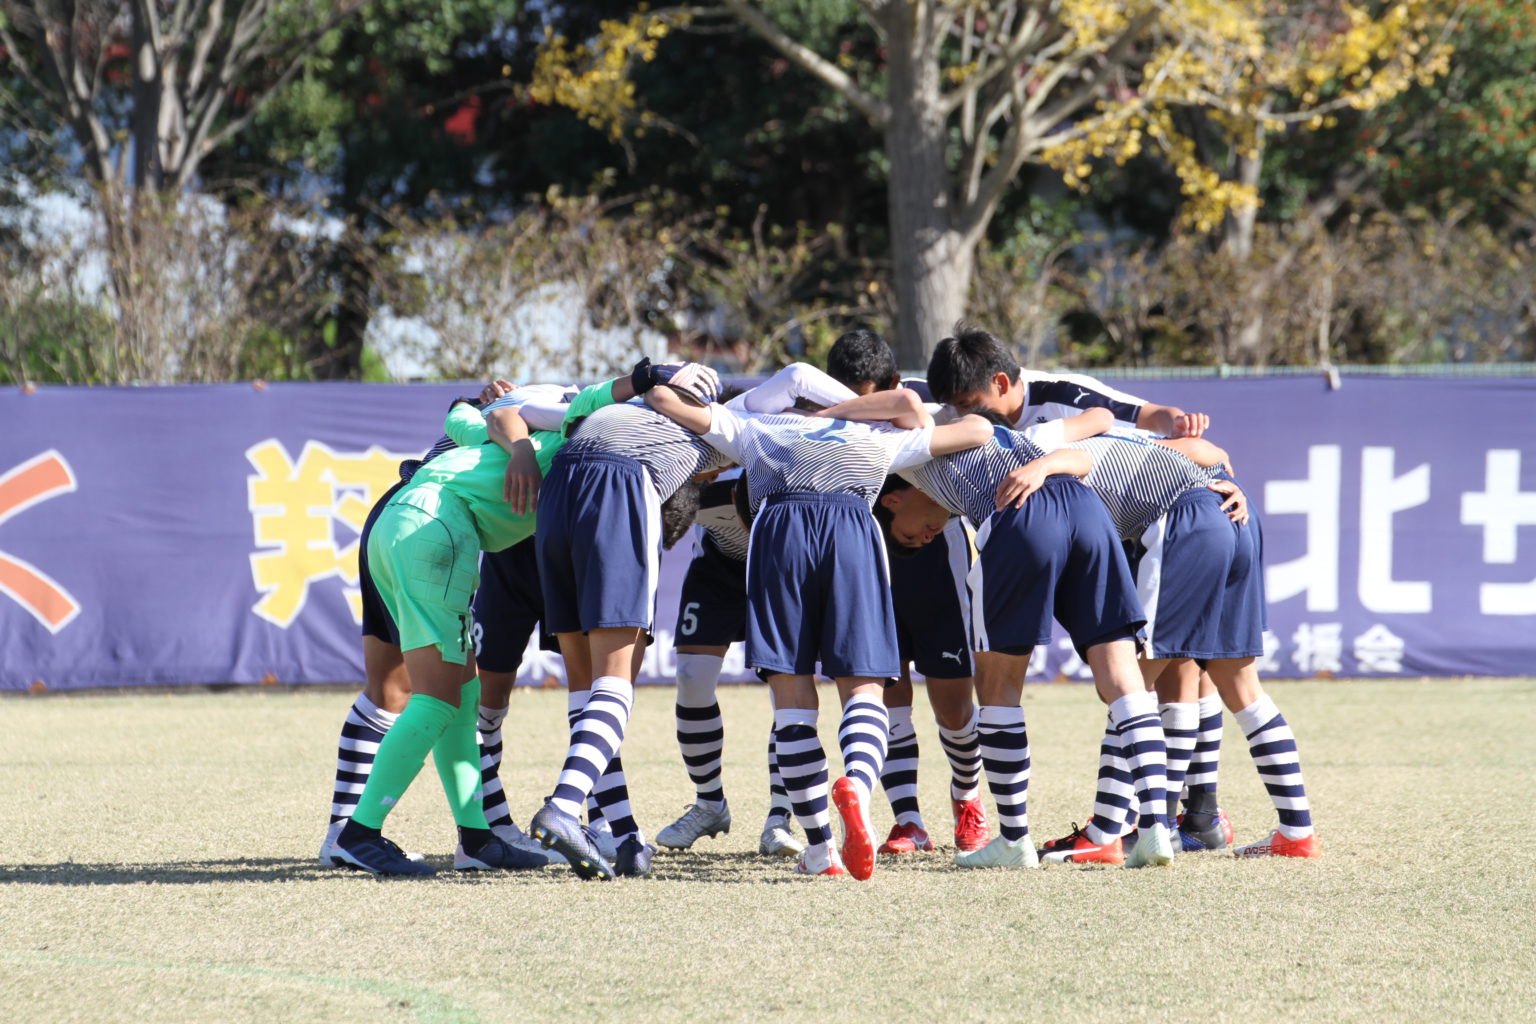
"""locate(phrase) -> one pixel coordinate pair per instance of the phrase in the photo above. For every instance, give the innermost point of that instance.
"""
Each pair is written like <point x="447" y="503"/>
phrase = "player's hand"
<point x="1191" y="424"/>
<point x="497" y="388"/>
<point x="1236" y="503"/>
<point x="520" y="487"/>
<point x="693" y="380"/>
<point x="1018" y="485"/>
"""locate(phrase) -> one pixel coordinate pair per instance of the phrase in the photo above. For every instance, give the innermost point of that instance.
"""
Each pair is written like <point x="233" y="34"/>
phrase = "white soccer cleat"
<point x="778" y="841"/>
<point x="1000" y="853"/>
<point x="328" y="844"/>
<point x="699" y="821"/>
<point x="1154" y="848"/>
<point x="820" y="860"/>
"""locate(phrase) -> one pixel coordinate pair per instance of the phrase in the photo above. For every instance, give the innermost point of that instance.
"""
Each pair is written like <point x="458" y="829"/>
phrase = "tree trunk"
<point x="932" y="258"/>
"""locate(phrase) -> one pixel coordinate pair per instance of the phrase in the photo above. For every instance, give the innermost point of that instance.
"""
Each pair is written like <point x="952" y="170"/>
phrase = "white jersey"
<point x="1049" y="397"/>
<point x="789" y="452"/>
<point x="669" y="453"/>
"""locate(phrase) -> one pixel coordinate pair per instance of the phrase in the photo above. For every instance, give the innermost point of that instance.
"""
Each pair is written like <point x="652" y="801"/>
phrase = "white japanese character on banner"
<point x="1269" y="662"/>
<point x="1378" y="649"/>
<point x="1382" y="496"/>
<point x="1501" y="509"/>
<point x="1319" y="647"/>
<point x="1315" y="573"/>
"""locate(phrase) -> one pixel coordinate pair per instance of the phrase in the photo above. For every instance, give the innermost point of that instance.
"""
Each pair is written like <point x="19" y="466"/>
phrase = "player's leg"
<point x="1003" y="743"/>
<point x="803" y="766"/>
<point x="899" y="776"/>
<point x="1203" y="819"/>
<point x="777" y="839"/>
<point x="862" y="737"/>
<point x="1272" y="746"/>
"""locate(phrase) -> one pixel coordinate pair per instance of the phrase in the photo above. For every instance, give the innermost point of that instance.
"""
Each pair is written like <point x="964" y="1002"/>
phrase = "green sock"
<point x="457" y="756"/>
<point x="401" y="754"/>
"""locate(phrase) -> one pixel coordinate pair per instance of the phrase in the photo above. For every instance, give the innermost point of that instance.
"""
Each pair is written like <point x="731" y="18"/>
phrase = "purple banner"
<point x="207" y="534"/>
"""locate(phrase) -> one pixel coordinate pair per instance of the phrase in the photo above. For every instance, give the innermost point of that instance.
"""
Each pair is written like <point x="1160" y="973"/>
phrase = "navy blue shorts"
<point x="933" y="605"/>
<point x="712" y="609"/>
<point x="508" y="607"/>
<point x="1057" y="557"/>
<point x="599" y="544"/>
<point x="376" y="619"/>
<point x="1201" y="579"/>
<point x="818" y="589"/>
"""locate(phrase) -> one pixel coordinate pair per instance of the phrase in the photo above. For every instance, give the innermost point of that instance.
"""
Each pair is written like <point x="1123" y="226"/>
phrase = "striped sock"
<point x="1004" y="747"/>
<point x="778" y="796"/>
<point x="595" y="740"/>
<point x="361" y="734"/>
<point x="1272" y="745"/>
<point x="900" y="774"/>
<point x="700" y="729"/>
<point x="1114" y="795"/>
<point x="575" y="703"/>
<point x="612" y="796"/>
<point x="962" y="748"/>
<point x="489" y="726"/>
<point x="803" y="764"/>
<point x="1142" y="744"/>
<point x="1181" y="726"/>
<point x="1200" y="780"/>
<point x="861" y="736"/>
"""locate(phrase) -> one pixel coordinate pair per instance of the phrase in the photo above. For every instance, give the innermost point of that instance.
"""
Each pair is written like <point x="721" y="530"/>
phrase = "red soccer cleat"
<point x="971" y="829"/>
<point x="906" y="838"/>
<point x="1276" y="845"/>
<point x="1077" y="848"/>
<point x="858" y="843"/>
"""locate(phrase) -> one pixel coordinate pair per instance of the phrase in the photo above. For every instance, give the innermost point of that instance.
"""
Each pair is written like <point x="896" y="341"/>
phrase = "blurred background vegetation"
<point x="375" y="189"/>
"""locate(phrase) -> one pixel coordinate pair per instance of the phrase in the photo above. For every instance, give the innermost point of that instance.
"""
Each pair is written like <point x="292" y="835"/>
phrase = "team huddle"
<point x="845" y="523"/>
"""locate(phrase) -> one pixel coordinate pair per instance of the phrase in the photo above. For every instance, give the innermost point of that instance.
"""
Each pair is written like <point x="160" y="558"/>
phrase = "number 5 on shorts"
<point x="688" y="622"/>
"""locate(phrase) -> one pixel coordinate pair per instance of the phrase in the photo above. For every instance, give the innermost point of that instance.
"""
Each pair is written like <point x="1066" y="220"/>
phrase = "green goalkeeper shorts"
<point x="426" y="565"/>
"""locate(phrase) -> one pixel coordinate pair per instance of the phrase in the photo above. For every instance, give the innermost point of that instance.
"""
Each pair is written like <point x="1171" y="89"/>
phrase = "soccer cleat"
<point x="1154" y="847"/>
<point x="1077" y="848"/>
<point x="378" y="856"/>
<point x="698" y="821"/>
<point x="328" y="857"/>
<point x="820" y="860"/>
<point x="498" y="855"/>
<point x="971" y="829"/>
<point x="554" y="829"/>
<point x="601" y="836"/>
<point x="1277" y="845"/>
<point x="1000" y="853"/>
<point x="515" y="837"/>
<point x="1215" y="836"/>
<point x="858" y="852"/>
<point x="908" y="838"/>
<point x="778" y="841"/>
<point x="634" y="857"/>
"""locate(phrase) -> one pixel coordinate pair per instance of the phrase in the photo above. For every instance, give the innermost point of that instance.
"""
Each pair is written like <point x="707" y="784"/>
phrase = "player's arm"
<point x="1019" y="484"/>
<point x="1199" y="451"/>
<point x="687" y="414"/>
<point x="797" y="381"/>
<point x="520" y="485"/>
<point x="1172" y="421"/>
<point x="900" y="407"/>
<point x="965" y="433"/>
<point x="1235" y="503"/>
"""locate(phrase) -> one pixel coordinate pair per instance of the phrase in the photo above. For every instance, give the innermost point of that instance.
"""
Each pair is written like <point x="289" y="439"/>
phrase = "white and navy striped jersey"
<point x="1139" y="479"/>
<point x="717" y="517"/>
<point x="789" y="452"/>
<point x="670" y="453"/>
<point x="966" y="482"/>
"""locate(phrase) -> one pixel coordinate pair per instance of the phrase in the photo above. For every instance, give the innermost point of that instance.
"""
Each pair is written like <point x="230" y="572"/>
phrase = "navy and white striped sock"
<point x="1272" y="745"/>
<point x="1200" y="780"/>
<point x="803" y="765"/>
<point x="1004" y="748"/>
<point x="1114" y="794"/>
<point x="778" y="796"/>
<point x="611" y="794"/>
<point x="963" y="749"/>
<point x="595" y="740"/>
<point x="1142" y="744"/>
<point x="900" y="774"/>
<point x="575" y="702"/>
<point x="700" y="729"/>
<point x="861" y="736"/>
<point x="361" y="734"/>
<point x="1181" y="727"/>
<point x="489" y="727"/>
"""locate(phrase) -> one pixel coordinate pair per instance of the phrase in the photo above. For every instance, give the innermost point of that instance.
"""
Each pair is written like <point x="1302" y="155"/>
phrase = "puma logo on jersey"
<point x="1082" y="393"/>
<point x="955" y="655"/>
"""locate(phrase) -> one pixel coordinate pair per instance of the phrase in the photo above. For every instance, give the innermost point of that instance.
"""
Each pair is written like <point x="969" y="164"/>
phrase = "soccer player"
<point x="817" y="590"/>
<point x="932" y="606"/>
<point x="603" y="528"/>
<point x="423" y="552"/>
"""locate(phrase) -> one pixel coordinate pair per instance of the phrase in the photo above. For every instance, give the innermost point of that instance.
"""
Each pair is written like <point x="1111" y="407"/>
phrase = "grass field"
<point x="157" y="864"/>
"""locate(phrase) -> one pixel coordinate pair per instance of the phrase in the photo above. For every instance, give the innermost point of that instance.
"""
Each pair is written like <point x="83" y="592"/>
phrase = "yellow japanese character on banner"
<point x="296" y="508"/>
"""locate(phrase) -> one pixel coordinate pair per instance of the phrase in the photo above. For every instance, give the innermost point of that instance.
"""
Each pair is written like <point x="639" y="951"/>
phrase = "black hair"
<point x="861" y="356"/>
<point x="679" y="511"/>
<point x="728" y="392"/>
<point x="993" y="416"/>
<point x="966" y="361"/>
<point x="885" y="517"/>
